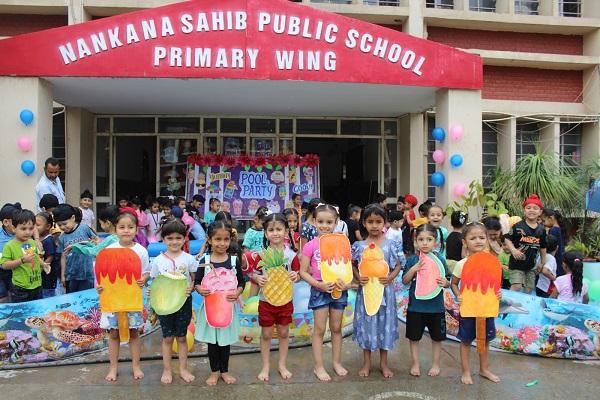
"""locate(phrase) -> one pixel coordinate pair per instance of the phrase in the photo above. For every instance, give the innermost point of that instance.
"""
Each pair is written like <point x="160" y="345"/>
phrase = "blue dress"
<point x="380" y="331"/>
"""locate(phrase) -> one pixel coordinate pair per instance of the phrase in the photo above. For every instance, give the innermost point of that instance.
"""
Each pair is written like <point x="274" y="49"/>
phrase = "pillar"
<point x="80" y="153"/>
<point x="77" y="12"/>
<point x="462" y="107"/>
<point x="34" y="94"/>
<point x="417" y="177"/>
<point x="414" y="24"/>
<point x="550" y="136"/>
<point x="507" y="143"/>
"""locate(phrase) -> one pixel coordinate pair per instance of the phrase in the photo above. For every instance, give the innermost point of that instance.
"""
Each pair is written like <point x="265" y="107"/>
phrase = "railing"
<point x="527" y="7"/>
<point x="446" y="4"/>
<point x="482" y="5"/>
<point x="570" y="8"/>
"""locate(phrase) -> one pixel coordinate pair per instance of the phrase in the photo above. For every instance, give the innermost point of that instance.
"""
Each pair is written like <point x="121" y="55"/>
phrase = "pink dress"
<point x="565" y="289"/>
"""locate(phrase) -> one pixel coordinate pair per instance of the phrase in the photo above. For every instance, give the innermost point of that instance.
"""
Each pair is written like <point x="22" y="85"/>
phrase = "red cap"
<point x="409" y="198"/>
<point x="533" y="199"/>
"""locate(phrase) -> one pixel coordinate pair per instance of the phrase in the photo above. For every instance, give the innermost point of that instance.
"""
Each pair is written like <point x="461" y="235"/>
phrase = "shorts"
<point x="77" y="285"/>
<point x="5" y="282"/>
<point x="176" y="324"/>
<point x="269" y="315"/>
<point x="525" y="278"/>
<point x="417" y="321"/>
<point x="20" y="295"/>
<point x="110" y="321"/>
<point x="467" y="329"/>
<point x="320" y="299"/>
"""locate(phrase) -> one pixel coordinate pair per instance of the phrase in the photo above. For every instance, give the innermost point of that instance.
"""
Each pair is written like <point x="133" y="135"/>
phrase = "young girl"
<point x="214" y="205"/>
<point x="219" y="339"/>
<point x="126" y="228"/>
<point x="435" y="216"/>
<point x="555" y="223"/>
<point x="292" y="216"/>
<point x="422" y="314"/>
<point x="276" y="231"/>
<point x="475" y="240"/>
<point x="380" y="331"/>
<point x="108" y="220"/>
<point x="140" y="237"/>
<point x="255" y="236"/>
<point x="76" y="269"/>
<point x="43" y="223"/>
<point x="571" y="287"/>
<point x="323" y="305"/>
<point x="154" y="215"/>
<point x="308" y="230"/>
<point x="454" y="247"/>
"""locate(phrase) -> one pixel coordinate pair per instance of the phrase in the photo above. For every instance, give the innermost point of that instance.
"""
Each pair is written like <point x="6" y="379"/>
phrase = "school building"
<point x="123" y="90"/>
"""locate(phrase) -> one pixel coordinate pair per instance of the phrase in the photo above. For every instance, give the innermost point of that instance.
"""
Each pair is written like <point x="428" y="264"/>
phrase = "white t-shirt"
<point x="565" y="289"/>
<point x="543" y="280"/>
<point x="183" y="263"/>
<point x="341" y="227"/>
<point x="87" y="216"/>
<point x="394" y="234"/>
<point x="139" y="250"/>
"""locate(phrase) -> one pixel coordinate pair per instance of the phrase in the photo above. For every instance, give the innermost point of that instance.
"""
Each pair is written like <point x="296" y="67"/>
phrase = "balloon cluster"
<point x="439" y="157"/>
<point x="25" y="143"/>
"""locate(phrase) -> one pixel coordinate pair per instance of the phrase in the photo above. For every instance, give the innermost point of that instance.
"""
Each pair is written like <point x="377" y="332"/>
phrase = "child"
<point x="308" y="230"/>
<point x="142" y="218"/>
<point x="454" y="247"/>
<point x="548" y="270"/>
<point x="474" y="240"/>
<point x="435" y="215"/>
<point x="154" y="215"/>
<point x="181" y="203"/>
<point x="353" y="222"/>
<point x="108" y="220"/>
<point x="214" y="205"/>
<point x="422" y="314"/>
<point x="76" y="270"/>
<point x="85" y="205"/>
<point x="321" y="302"/>
<point x="525" y="240"/>
<point x="297" y="203"/>
<point x="193" y="209"/>
<point x="21" y="255"/>
<point x="493" y="228"/>
<point x="555" y="223"/>
<point x="276" y="231"/>
<point x="43" y="223"/>
<point x="571" y="287"/>
<point x="48" y="202"/>
<point x="175" y="325"/>
<point x="219" y="339"/>
<point x="400" y="204"/>
<point x="410" y="202"/>
<point x="126" y="228"/>
<point x="254" y="236"/>
<point x="123" y="201"/>
<point x="292" y="217"/>
<point x="380" y="331"/>
<point x="7" y="233"/>
<point x="394" y="233"/>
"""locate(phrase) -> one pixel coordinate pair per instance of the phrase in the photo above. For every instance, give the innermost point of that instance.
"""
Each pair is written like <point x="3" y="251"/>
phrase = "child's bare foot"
<point x="213" y="378"/>
<point x="112" y="375"/>
<point x="487" y="374"/>
<point x="386" y="371"/>
<point x="434" y="371"/>
<point x="364" y="371"/>
<point x="263" y="375"/>
<point x="339" y="369"/>
<point x="167" y="377"/>
<point x="415" y="370"/>
<point x="321" y="374"/>
<point x="284" y="372"/>
<point x="137" y="373"/>
<point x="228" y="378"/>
<point x="186" y="376"/>
<point x="466" y="379"/>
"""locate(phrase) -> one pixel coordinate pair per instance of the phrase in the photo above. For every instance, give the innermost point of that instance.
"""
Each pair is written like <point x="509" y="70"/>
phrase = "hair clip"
<point x="268" y="212"/>
<point x="577" y="260"/>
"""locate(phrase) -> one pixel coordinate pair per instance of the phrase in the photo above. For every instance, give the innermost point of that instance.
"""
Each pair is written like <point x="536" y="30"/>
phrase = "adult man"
<point x="50" y="182"/>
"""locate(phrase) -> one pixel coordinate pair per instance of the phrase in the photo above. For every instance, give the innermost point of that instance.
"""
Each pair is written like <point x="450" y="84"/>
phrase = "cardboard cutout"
<point x="336" y="261"/>
<point x="221" y="282"/>
<point x="167" y="292"/>
<point x="373" y="265"/>
<point x="279" y="288"/>
<point x="426" y="282"/>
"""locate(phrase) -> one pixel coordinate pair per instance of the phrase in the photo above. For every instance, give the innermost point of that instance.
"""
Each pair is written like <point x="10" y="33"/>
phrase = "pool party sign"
<point x="245" y="183"/>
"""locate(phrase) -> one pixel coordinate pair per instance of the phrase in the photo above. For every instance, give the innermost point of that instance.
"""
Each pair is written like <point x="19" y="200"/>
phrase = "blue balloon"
<point x="27" y="167"/>
<point x="456" y="160"/>
<point x="438" y="134"/>
<point x="154" y="249"/>
<point x="26" y="116"/>
<point x="438" y="179"/>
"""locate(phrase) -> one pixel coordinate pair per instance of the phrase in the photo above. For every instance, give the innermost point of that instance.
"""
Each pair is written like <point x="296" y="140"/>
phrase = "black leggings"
<point x="218" y="357"/>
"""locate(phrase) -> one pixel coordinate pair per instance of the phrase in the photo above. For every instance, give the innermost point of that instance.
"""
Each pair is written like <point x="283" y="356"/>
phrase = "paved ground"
<point x="558" y="379"/>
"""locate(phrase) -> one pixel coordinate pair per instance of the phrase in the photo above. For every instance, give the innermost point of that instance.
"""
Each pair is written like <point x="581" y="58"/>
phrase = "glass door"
<point x="173" y="163"/>
<point x="135" y="166"/>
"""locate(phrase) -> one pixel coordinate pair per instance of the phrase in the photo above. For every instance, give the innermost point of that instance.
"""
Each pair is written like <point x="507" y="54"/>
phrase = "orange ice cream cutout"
<point x="373" y="265"/>
<point x="336" y="261"/>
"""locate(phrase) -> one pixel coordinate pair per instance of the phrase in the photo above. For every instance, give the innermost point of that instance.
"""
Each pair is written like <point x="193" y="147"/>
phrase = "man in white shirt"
<point x="50" y="182"/>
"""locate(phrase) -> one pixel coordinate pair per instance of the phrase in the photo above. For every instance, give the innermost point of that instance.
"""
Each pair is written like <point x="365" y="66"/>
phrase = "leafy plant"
<point x="477" y="199"/>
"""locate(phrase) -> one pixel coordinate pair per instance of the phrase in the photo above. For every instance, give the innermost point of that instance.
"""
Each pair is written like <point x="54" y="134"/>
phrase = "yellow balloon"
<point x="189" y="338"/>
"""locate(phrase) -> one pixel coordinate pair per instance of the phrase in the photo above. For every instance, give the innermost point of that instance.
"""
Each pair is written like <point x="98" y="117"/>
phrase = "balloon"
<point x="460" y="189"/>
<point x="456" y="132"/>
<point x="24" y="144"/>
<point x="26" y="116"/>
<point x="189" y="339"/>
<point x="154" y="249"/>
<point x="456" y="160"/>
<point x="27" y="167"/>
<point x="438" y="134"/>
<point x="438" y="156"/>
<point x="438" y="179"/>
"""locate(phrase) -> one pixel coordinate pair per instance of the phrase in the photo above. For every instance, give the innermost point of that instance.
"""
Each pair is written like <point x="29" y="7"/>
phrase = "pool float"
<point x="373" y="266"/>
<point x="335" y="262"/>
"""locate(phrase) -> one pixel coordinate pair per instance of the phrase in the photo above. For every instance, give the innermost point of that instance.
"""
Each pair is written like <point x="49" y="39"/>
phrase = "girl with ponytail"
<point x="570" y="287"/>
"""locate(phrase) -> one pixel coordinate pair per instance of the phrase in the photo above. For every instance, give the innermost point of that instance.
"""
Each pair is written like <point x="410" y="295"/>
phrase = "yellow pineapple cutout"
<point x="373" y="265"/>
<point x="278" y="290"/>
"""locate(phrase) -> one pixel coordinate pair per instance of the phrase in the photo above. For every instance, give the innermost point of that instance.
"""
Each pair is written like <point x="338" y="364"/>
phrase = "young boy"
<point x="394" y="233"/>
<point x="353" y="223"/>
<point x="175" y="325"/>
<point x="85" y="205"/>
<point x="194" y="209"/>
<point x="525" y="240"/>
<point x="7" y="233"/>
<point x="547" y="271"/>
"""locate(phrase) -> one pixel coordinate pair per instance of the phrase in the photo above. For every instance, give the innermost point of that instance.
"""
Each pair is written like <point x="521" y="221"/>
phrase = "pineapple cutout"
<point x="279" y="287"/>
<point x="373" y="265"/>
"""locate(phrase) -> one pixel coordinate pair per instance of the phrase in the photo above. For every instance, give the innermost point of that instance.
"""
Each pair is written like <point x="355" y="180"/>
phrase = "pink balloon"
<point x="438" y="156"/>
<point x="25" y="144"/>
<point x="460" y="189"/>
<point x="456" y="132"/>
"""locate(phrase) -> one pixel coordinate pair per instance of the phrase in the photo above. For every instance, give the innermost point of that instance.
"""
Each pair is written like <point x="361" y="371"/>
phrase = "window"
<point x="489" y="152"/>
<point x="179" y="125"/>
<point x="390" y="167"/>
<point x="570" y="143"/>
<point x="360" y="127"/>
<point x="528" y="138"/>
<point x="430" y="163"/>
<point x="570" y="8"/>
<point x="316" y="126"/>
<point x="391" y="3"/>
<point x="134" y="125"/>
<point x="527" y="7"/>
<point x="482" y="5"/>
<point x="447" y="4"/>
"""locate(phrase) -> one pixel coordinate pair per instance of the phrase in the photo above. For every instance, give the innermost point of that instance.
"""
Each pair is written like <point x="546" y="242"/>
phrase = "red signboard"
<point x="239" y="39"/>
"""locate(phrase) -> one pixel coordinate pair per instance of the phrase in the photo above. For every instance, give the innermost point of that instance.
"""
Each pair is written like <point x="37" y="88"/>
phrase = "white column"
<point x="507" y="143"/>
<point x="417" y="183"/>
<point x="77" y="12"/>
<point x="34" y="94"/>
<point x="414" y="24"/>
<point x="550" y="136"/>
<point x="80" y="153"/>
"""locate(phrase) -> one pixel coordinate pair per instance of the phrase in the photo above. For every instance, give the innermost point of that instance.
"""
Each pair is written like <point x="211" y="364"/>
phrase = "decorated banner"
<point x="245" y="183"/>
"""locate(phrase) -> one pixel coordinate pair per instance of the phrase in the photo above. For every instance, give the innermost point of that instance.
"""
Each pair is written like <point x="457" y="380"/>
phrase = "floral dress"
<point x="380" y="331"/>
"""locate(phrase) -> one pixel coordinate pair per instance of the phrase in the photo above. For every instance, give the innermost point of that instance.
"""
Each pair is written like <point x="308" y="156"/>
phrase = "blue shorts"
<point x="110" y="321"/>
<point x="320" y="299"/>
<point x="5" y="282"/>
<point x="467" y="329"/>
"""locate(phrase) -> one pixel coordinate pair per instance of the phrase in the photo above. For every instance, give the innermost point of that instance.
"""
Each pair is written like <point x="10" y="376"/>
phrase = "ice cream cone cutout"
<point x="279" y="287"/>
<point x="336" y="261"/>
<point x="426" y="284"/>
<point x="480" y="281"/>
<point x="373" y="265"/>
<point x="117" y="271"/>
<point x="218" y="310"/>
